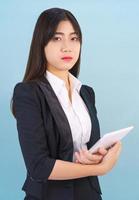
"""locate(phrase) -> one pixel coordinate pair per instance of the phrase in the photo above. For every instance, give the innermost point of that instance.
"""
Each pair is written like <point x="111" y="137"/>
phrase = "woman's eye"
<point x="56" y="38"/>
<point x="75" y="38"/>
<point x="59" y="39"/>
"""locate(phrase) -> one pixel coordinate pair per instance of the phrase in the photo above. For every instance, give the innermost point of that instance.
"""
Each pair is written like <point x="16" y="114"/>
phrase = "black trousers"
<point x="82" y="191"/>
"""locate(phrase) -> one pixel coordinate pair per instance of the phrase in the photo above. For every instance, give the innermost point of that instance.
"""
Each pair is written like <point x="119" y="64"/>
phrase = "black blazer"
<point x="45" y="135"/>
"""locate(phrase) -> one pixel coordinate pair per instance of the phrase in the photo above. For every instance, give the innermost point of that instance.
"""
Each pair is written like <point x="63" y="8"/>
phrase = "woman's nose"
<point x="66" y="50"/>
<point x="66" y="47"/>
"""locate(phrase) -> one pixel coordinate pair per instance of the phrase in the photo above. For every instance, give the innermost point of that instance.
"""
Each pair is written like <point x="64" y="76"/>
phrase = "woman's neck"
<point x="64" y="75"/>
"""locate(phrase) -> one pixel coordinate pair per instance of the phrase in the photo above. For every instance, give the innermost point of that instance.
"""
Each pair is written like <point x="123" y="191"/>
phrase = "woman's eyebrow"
<point x="61" y="33"/>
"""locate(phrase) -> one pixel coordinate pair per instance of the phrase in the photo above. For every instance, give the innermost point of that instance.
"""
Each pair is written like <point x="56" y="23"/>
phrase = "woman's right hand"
<point x="110" y="158"/>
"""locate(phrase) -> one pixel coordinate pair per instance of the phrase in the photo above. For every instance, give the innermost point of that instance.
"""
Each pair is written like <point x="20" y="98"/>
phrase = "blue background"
<point x="110" y="65"/>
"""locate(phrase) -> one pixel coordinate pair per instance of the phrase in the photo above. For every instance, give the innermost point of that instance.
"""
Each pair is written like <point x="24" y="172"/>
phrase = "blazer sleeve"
<point x="31" y="133"/>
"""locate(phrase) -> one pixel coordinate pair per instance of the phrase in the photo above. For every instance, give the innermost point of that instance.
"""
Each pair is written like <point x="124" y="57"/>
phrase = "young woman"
<point x="56" y="116"/>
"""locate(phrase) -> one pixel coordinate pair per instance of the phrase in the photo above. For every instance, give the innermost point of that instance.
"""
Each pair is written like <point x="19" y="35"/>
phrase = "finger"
<point x="116" y="147"/>
<point x="102" y="151"/>
<point x="95" y="158"/>
<point x="119" y="149"/>
<point x="77" y="156"/>
<point x="83" y="157"/>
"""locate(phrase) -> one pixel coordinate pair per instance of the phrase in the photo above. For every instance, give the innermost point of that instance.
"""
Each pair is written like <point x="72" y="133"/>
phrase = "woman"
<point x="56" y="116"/>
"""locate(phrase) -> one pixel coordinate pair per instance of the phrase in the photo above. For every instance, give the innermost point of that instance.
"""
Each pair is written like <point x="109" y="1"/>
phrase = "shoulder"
<point x="29" y="88"/>
<point x="26" y="91"/>
<point x="24" y="87"/>
<point x="89" y="89"/>
<point x="26" y="97"/>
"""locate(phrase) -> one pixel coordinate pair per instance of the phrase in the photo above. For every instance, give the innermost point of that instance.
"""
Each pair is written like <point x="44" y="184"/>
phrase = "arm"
<point x="33" y="142"/>
<point x="31" y="133"/>
<point x="62" y="168"/>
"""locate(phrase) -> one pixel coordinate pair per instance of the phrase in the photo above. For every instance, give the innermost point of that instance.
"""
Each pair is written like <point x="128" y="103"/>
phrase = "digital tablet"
<point x="110" y="138"/>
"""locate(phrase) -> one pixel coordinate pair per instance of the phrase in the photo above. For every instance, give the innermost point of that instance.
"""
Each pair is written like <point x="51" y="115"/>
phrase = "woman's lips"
<point x="67" y="58"/>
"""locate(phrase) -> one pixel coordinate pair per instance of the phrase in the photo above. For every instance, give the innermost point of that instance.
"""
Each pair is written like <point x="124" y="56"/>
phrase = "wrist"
<point x="96" y="169"/>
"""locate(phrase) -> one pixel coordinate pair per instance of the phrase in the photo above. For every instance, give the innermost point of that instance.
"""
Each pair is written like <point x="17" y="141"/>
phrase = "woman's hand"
<point x="85" y="157"/>
<point x="110" y="159"/>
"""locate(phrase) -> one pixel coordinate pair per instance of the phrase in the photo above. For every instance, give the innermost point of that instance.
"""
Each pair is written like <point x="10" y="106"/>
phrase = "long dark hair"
<point x="45" y="29"/>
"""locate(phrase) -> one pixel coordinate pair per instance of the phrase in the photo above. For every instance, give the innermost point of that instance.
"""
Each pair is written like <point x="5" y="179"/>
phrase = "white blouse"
<point x="76" y="112"/>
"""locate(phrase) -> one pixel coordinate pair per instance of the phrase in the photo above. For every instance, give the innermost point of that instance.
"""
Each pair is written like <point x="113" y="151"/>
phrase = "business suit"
<point x="45" y="135"/>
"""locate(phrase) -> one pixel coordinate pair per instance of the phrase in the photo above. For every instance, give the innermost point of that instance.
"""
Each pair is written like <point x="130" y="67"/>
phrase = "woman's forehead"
<point x="65" y="26"/>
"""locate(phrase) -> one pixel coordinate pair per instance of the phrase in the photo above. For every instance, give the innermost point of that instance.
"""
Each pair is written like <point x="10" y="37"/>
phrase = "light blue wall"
<point x="110" y="64"/>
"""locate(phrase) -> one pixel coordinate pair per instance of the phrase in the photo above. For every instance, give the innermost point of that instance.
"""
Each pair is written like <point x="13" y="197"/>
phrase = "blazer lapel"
<point x="56" y="109"/>
<point x="95" y="132"/>
<point x="60" y="116"/>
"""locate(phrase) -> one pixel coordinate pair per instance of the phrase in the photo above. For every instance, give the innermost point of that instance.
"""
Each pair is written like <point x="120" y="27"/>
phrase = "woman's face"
<point x="65" y="43"/>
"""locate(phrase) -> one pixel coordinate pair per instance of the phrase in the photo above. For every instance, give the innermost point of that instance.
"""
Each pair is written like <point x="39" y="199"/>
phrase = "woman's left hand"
<point x="85" y="157"/>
